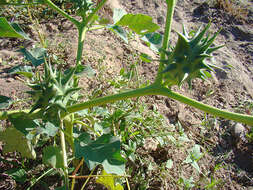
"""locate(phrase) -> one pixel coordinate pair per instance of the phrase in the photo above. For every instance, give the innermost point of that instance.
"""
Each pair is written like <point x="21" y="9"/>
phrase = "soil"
<point x="231" y="88"/>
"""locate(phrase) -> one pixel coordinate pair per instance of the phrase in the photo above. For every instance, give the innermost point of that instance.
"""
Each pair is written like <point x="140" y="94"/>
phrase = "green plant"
<point x="57" y="114"/>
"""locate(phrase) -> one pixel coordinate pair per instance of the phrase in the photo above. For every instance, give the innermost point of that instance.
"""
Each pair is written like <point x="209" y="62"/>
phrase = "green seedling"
<point x="56" y="109"/>
<point x="193" y="157"/>
<point x="187" y="183"/>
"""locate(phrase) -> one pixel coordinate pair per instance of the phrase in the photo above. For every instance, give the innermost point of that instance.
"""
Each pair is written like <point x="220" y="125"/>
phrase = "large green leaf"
<point x="11" y="30"/>
<point x="52" y="156"/>
<point x="108" y="181"/>
<point x="5" y="102"/>
<point x="105" y="150"/>
<point x="36" y="55"/>
<point x="139" y="23"/>
<point x="16" y="141"/>
<point x="23" y="123"/>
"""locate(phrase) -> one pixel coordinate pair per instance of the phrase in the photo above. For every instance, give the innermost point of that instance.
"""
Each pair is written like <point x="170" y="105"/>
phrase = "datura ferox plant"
<point x="57" y="106"/>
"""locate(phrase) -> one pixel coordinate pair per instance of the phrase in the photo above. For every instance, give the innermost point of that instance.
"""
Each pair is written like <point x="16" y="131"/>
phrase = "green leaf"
<point x="20" y="69"/>
<point x="52" y="156"/>
<point x="139" y="23"/>
<point x="193" y="157"/>
<point x="188" y="183"/>
<point x="154" y="40"/>
<point x="169" y="164"/>
<point x="49" y="129"/>
<point x="5" y="102"/>
<point x="18" y="174"/>
<point x="23" y="123"/>
<point x="119" y="31"/>
<point x="85" y="69"/>
<point x="118" y="14"/>
<point x="196" y="166"/>
<point x="16" y="141"/>
<point x="146" y="58"/>
<point x="26" y="71"/>
<point x="108" y="181"/>
<point x="195" y="152"/>
<point x="12" y="30"/>
<point x="105" y="150"/>
<point x="36" y="55"/>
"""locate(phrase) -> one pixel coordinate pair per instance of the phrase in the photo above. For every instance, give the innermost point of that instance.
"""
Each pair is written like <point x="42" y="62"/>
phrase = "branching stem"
<point x="170" y="11"/>
<point x="158" y="90"/>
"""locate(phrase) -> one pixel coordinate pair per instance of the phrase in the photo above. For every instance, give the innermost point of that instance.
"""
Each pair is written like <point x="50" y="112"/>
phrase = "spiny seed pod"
<point x="187" y="60"/>
<point x="55" y="90"/>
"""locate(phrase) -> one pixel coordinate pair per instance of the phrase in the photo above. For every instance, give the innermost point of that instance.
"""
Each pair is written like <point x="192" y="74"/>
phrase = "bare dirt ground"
<point x="231" y="89"/>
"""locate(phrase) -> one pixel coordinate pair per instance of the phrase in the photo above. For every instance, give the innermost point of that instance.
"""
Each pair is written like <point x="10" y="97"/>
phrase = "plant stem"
<point x="60" y="11"/>
<point x="64" y="155"/>
<point x="153" y="89"/>
<point x="170" y="11"/>
<point x="4" y="114"/>
<point x="157" y="90"/>
<point x="81" y="36"/>
<point x="87" y="126"/>
<point x="88" y="176"/>
<point x="39" y="178"/>
<point x="96" y="28"/>
<point x="242" y="118"/>
<point x="150" y="90"/>
<point x="87" y="179"/>
<point x="82" y="29"/>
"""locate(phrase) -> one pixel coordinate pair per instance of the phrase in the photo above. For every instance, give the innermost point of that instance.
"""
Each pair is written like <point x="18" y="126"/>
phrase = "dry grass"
<point x="234" y="8"/>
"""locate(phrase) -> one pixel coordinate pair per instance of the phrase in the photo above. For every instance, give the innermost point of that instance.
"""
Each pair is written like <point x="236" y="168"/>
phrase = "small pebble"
<point x="237" y="130"/>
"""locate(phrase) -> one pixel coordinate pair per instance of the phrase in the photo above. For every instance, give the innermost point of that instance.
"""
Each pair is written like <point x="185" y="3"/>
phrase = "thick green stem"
<point x="64" y="156"/>
<point x="81" y="37"/>
<point x="170" y="11"/>
<point x="83" y="28"/>
<point x="247" y="119"/>
<point x="157" y="90"/>
<point x="150" y="90"/>
<point x="60" y="11"/>
<point x="36" y="114"/>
